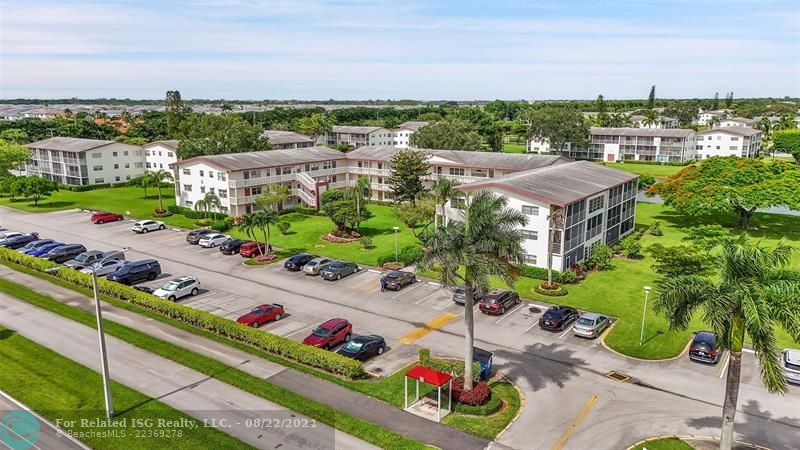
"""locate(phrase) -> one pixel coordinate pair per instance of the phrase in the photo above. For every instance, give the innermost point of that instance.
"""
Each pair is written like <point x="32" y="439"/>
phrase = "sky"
<point x="410" y="49"/>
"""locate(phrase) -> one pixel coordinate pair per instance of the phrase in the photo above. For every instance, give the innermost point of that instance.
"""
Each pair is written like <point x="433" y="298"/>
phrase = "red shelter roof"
<point x="429" y="376"/>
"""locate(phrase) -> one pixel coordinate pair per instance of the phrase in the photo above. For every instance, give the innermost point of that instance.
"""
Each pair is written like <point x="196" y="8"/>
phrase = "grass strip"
<point x="489" y="427"/>
<point x="355" y="426"/>
<point x="64" y="391"/>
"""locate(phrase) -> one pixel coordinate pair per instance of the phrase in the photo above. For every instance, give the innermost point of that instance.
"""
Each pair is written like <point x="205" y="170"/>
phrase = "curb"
<point x="607" y="347"/>
<point x="519" y="411"/>
<point x="686" y="437"/>
<point x="60" y="430"/>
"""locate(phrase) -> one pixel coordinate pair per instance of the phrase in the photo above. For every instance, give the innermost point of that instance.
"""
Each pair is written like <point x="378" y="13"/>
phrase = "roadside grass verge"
<point x="664" y="444"/>
<point x="355" y="426"/>
<point x="489" y="426"/>
<point x="59" y="388"/>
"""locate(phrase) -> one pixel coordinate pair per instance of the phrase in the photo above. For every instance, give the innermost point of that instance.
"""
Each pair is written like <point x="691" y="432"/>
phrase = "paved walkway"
<point x="323" y="391"/>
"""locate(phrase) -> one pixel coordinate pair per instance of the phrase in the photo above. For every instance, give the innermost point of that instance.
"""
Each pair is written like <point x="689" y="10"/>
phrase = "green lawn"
<point x="514" y="148"/>
<point x="664" y="444"/>
<point x="488" y="427"/>
<point x="652" y="170"/>
<point x="59" y="388"/>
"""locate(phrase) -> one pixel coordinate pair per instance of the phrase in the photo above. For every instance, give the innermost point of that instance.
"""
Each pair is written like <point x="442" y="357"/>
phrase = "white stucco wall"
<point x="114" y="163"/>
<point x="159" y="156"/>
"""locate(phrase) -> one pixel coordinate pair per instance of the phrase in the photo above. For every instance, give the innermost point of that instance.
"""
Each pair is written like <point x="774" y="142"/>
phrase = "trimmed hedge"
<point x="447" y="365"/>
<point x="277" y="345"/>
<point x="299" y="210"/>
<point x="541" y="274"/>
<point x="486" y="409"/>
<point x="409" y="254"/>
<point x="192" y="214"/>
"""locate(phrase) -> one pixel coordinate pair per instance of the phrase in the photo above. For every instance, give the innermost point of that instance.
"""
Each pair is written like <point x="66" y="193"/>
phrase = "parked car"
<point x="705" y="347"/>
<point x="338" y="270"/>
<point x="231" y="246"/>
<point x="103" y="217"/>
<point x="212" y="240"/>
<point x="262" y="314"/>
<point x="145" y="226"/>
<point x="44" y="249"/>
<point x="9" y="235"/>
<point x="590" y="325"/>
<point x="86" y="259"/>
<point x="19" y="240"/>
<point x="252" y="248"/>
<point x="297" y="262"/>
<point x="459" y="295"/>
<point x="104" y="268"/>
<point x="178" y="288"/>
<point x="363" y="347"/>
<point x="790" y="361"/>
<point x="396" y="279"/>
<point x="194" y="236"/>
<point x="64" y="253"/>
<point x="497" y="301"/>
<point x="314" y="266"/>
<point x="30" y="246"/>
<point x="330" y="334"/>
<point x="557" y="317"/>
<point x="135" y="271"/>
<point x="145" y="289"/>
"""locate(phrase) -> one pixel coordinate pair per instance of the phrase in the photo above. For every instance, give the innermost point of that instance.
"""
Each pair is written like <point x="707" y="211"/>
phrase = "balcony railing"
<point x="282" y="178"/>
<point x="370" y="171"/>
<point x="306" y="197"/>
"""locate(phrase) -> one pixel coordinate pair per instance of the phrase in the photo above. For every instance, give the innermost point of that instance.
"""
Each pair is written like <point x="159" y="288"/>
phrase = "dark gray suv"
<point x="136" y="271"/>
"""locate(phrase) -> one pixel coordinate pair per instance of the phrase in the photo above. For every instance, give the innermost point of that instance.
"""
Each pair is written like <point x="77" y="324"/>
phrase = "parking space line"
<point x="407" y="290"/>
<point x="724" y="365"/>
<point x="302" y="329"/>
<point x="509" y="313"/>
<point x="565" y="333"/>
<point x="562" y="441"/>
<point x="427" y="297"/>
<point x="532" y="325"/>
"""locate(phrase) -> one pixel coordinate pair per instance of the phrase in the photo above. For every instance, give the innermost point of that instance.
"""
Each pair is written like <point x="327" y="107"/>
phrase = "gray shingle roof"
<point x="505" y="161"/>
<point x="353" y="130"/>
<point x="559" y="184"/>
<point x="741" y="120"/>
<point x="739" y="131"/>
<point x="645" y="132"/>
<point x="69" y="144"/>
<point x="269" y="158"/>
<point x="173" y="143"/>
<point x="286" y="137"/>
<point x="412" y="125"/>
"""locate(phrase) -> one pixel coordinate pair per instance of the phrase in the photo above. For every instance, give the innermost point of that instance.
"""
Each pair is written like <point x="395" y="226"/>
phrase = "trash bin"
<point x="484" y="358"/>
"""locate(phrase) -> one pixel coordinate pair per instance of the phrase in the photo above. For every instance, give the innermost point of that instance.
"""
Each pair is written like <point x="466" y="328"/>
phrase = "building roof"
<point x="172" y="143"/>
<point x="269" y="158"/>
<point x="739" y="131"/>
<point x="428" y="376"/>
<point x="559" y="184"/>
<point x="639" y="118"/>
<point x="740" y="119"/>
<point x="644" y="132"/>
<point x="353" y="130"/>
<point x="286" y="137"/>
<point x="412" y="125"/>
<point x="69" y="144"/>
<point x="488" y="160"/>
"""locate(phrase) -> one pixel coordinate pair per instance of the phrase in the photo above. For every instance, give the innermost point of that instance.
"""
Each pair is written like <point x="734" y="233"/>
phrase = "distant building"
<point x="736" y="122"/>
<point x="160" y="154"/>
<point x="358" y="136"/>
<point x="639" y="144"/>
<point x="662" y="122"/>
<point x="705" y="117"/>
<point x="729" y="141"/>
<point x="76" y="162"/>
<point x="402" y="134"/>
<point x="282" y="140"/>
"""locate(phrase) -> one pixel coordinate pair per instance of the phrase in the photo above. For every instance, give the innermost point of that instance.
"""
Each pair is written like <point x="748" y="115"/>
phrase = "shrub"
<point x="284" y="227"/>
<point x="540" y="273"/>
<point x="449" y="366"/>
<point x="366" y="242"/>
<point x="222" y="225"/>
<point x="655" y="228"/>
<point x="490" y="407"/>
<point x="478" y="395"/>
<point x="298" y="210"/>
<point x="630" y="246"/>
<point x="600" y="259"/>
<point x="557" y="292"/>
<point x="409" y="254"/>
<point x="270" y="343"/>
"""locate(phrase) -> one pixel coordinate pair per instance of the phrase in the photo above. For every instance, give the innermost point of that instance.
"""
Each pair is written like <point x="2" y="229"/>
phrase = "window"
<point x="223" y="193"/>
<point x="529" y="259"/>
<point x="734" y="138"/>
<point x="137" y="165"/>
<point x="99" y="180"/>
<point x="116" y="178"/>
<point x="125" y="153"/>
<point x="734" y="147"/>
<point x="530" y="235"/>
<point x="255" y="191"/>
<point x="97" y="155"/>
<point x="187" y="171"/>
<point x="189" y="203"/>
<point x="457" y="171"/>
<point x="187" y="187"/>
<point x="127" y="165"/>
<point x="530" y="210"/>
<point x="137" y="153"/>
<point x="116" y="166"/>
<point x="170" y="154"/>
<point x="202" y="189"/>
<point x="202" y="173"/>
<point x="221" y="176"/>
<point x="114" y="154"/>
<point x="210" y="174"/>
<point x="97" y="168"/>
<point x="127" y="177"/>
<point x="594" y="226"/>
<point x="148" y="165"/>
<point x="596" y="203"/>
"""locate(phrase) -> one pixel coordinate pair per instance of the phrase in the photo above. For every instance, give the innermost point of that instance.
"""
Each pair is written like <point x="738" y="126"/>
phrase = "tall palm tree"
<point x="484" y="244"/>
<point x="264" y="219"/>
<point x="755" y="289"/>
<point x="765" y="125"/>
<point x="158" y="177"/>
<point x="247" y="225"/>
<point x="208" y="202"/>
<point x="444" y="189"/>
<point x="786" y="122"/>
<point x="651" y="118"/>
<point x="359" y="191"/>
<point x="714" y="120"/>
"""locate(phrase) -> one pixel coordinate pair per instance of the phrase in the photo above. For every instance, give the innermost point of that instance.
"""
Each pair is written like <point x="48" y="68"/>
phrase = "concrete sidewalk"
<point x="323" y="391"/>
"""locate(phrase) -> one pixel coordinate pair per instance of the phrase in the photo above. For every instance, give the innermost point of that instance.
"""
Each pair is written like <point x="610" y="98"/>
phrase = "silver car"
<point x="104" y="268"/>
<point x="213" y="240"/>
<point x="314" y="266"/>
<point x="144" y="226"/>
<point x="790" y="361"/>
<point x="590" y="325"/>
<point x="178" y="288"/>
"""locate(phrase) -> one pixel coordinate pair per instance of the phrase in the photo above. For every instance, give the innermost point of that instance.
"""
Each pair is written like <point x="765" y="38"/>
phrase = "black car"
<point x="19" y="240"/>
<point x="363" y="347"/>
<point x="231" y="246"/>
<point x="135" y="271"/>
<point x="557" y="317"/>
<point x="64" y="253"/>
<point x="395" y="280"/>
<point x="297" y="262"/>
<point x="705" y="348"/>
<point x="194" y="236"/>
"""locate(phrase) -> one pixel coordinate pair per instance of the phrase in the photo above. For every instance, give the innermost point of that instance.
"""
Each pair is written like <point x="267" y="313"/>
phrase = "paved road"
<point x="50" y="437"/>
<point x="559" y="374"/>
<point x="199" y="396"/>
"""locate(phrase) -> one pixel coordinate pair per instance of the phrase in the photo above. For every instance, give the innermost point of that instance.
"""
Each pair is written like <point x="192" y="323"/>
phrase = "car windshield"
<point x="489" y="300"/>
<point x="82" y="257"/>
<point x="353" y="346"/>
<point x="322" y="332"/>
<point x="460" y="290"/>
<point x="790" y="365"/>
<point x="311" y="264"/>
<point x="393" y="276"/>
<point x="171" y="286"/>
<point x="258" y="311"/>
<point x="552" y="315"/>
<point x="585" y="322"/>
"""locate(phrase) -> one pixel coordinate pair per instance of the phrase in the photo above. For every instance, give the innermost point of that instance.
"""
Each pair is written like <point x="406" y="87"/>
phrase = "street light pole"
<point x="644" y="312"/>
<point x="396" y="229"/>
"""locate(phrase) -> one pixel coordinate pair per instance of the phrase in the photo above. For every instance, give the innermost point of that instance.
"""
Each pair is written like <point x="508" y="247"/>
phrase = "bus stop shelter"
<point x="434" y="378"/>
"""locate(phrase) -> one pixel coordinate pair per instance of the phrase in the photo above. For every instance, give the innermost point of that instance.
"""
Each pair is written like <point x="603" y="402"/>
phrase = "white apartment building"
<point x="662" y="122"/>
<point x="359" y="136"/>
<point x="160" y="154"/>
<point x="729" y="141"/>
<point x="639" y="144"/>
<point x="402" y="134"/>
<point x="705" y="116"/>
<point x="282" y="140"/>
<point x="736" y="122"/>
<point x="75" y="161"/>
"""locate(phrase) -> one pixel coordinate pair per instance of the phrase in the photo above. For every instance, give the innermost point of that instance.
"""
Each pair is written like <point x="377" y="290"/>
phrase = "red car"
<point x="262" y="314"/>
<point x="251" y="248"/>
<point x="103" y="217"/>
<point x="330" y="334"/>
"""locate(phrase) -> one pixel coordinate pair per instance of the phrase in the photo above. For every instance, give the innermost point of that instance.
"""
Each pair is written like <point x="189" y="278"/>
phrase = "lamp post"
<point x="100" y="334"/>
<point x="644" y="312"/>
<point x="396" y="229"/>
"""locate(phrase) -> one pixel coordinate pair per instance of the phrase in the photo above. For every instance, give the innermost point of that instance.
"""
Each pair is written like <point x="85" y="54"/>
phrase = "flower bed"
<point x="261" y="260"/>
<point x="552" y="290"/>
<point x="338" y="240"/>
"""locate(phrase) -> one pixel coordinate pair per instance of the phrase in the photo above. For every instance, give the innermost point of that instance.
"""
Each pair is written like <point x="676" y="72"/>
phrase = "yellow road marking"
<point x="562" y="441"/>
<point x="418" y="333"/>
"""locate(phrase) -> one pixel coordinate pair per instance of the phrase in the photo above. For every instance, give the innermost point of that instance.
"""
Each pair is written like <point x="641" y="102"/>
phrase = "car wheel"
<point x="347" y="337"/>
<point x="254" y="324"/>
<point x="194" y="291"/>
<point x="339" y="276"/>
<point x="162" y="227"/>
<point x="172" y="298"/>
<point x="119" y="218"/>
<point x="380" y="350"/>
<point x="413" y="280"/>
<point x="151" y="276"/>
<point x="145" y="230"/>
<point x="502" y="310"/>
<point x="213" y="245"/>
<point x="99" y="222"/>
<point x="277" y="317"/>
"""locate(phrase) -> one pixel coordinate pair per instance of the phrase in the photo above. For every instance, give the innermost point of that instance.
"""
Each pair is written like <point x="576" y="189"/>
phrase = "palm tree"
<point x="359" y="191"/>
<point x="714" y="120"/>
<point x="209" y="201"/>
<point x="650" y="118"/>
<point x="264" y="219"/>
<point x="247" y="225"/>
<point x="444" y="189"/>
<point x="765" y="125"/>
<point x="786" y="122"/>
<point x="755" y="289"/>
<point x="157" y="178"/>
<point x="483" y="244"/>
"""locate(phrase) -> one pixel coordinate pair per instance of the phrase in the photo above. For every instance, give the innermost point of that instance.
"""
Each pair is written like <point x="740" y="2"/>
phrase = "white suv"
<point x="178" y="288"/>
<point x="143" y="226"/>
<point x="790" y="360"/>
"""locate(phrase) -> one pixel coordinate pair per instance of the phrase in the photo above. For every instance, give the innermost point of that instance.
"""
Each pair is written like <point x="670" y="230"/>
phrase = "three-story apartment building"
<point x="159" y="155"/>
<point x="281" y="140"/>
<point x="729" y="141"/>
<point x="358" y="136"/>
<point x="639" y="144"/>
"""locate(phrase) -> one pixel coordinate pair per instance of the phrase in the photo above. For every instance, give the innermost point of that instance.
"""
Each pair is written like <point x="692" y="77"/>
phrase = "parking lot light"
<point x="644" y="312"/>
<point x="396" y="229"/>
